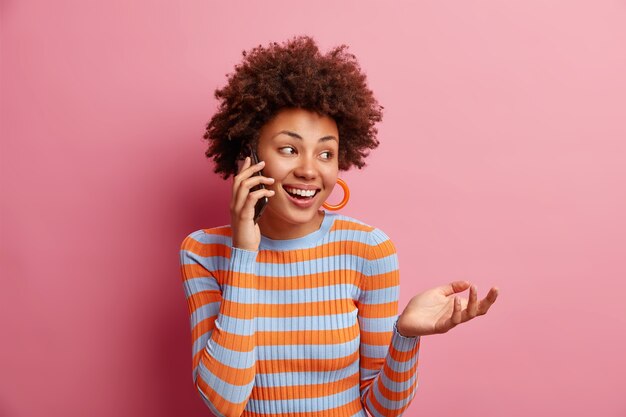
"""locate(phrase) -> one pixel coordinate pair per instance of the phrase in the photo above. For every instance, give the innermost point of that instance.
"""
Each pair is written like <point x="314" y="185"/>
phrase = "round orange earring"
<point x="346" y="197"/>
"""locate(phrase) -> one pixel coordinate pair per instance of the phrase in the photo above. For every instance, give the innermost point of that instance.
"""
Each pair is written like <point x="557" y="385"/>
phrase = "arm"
<point x="222" y="322"/>
<point x="388" y="359"/>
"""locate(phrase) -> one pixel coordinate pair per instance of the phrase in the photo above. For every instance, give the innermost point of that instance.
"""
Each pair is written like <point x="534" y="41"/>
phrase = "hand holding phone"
<point x="261" y="202"/>
<point x="249" y="199"/>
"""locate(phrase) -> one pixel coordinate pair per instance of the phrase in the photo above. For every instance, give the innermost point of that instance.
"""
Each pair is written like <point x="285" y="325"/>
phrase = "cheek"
<point x="330" y="179"/>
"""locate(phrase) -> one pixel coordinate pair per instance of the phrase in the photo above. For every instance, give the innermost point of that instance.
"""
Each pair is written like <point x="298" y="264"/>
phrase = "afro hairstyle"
<point x="293" y="75"/>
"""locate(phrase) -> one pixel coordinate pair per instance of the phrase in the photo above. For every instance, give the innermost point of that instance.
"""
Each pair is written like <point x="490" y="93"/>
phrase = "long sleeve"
<point x="222" y="315"/>
<point x="388" y="365"/>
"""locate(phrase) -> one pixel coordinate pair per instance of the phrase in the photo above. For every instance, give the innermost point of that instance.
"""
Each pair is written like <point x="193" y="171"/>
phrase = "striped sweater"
<point x="302" y="327"/>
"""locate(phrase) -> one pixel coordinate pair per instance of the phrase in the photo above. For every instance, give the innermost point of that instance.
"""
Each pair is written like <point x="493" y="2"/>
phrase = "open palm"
<point x="439" y="309"/>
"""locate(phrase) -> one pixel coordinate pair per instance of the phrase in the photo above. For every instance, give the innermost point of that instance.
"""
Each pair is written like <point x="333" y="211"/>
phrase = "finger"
<point x="247" y="211"/>
<point x="488" y="301"/>
<point x="247" y="170"/>
<point x="241" y="189"/>
<point x="456" y="313"/>
<point x="245" y="187"/>
<point x="472" y="305"/>
<point x="454" y="287"/>
<point x="256" y="180"/>
<point x="250" y="170"/>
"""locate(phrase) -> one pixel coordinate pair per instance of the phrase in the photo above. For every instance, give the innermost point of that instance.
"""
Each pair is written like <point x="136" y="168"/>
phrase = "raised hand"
<point x="246" y="234"/>
<point x="439" y="309"/>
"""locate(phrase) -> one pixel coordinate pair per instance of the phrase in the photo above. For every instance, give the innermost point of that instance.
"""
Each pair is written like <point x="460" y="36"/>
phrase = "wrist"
<point x="401" y="327"/>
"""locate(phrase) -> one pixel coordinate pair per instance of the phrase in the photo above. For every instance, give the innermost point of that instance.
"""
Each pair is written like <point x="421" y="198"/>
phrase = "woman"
<point x="296" y="314"/>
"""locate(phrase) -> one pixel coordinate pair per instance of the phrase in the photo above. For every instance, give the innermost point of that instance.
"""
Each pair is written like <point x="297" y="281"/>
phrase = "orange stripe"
<point x="399" y="376"/>
<point x="393" y="395"/>
<point x="318" y="308"/>
<point x="272" y="366"/>
<point x="378" y="310"/>
<point x="226" y="373"/>
<point x="203" y="298"/>
<point x="298" y="282"/>
<point x="301" y="282"/>
<point x="207" y="249"/>
<point x="382" y="410"/>
<point x="376" y="338"/>
<point x="202" y="327"/>
<point x="350" y="225"/>
<point x="224" y="406"/>
<point x="362" y="250"/>
<point x="346" y="410"/>
<point x="308" y="337"/>
<point x="234" y="341"/>
<point x="194" y="270"/>
<point x="373" y="364"/>
<point x="219" y="231"/>
<point x="305" y="391"/>
<point x="380" y="281"/>
<point x="400" y="356"/>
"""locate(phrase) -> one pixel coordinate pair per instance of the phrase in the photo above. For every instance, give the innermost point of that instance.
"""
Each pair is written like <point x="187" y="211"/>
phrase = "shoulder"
<point x="369" y="234"/>
<point x="220" y="235"/>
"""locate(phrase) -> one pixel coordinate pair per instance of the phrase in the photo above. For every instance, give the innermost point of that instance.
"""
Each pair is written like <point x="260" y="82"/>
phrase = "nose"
<point x="306" y="168"/>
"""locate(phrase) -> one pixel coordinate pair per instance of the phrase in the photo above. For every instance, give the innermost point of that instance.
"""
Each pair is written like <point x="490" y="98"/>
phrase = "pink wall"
<point x="502" y="161"/>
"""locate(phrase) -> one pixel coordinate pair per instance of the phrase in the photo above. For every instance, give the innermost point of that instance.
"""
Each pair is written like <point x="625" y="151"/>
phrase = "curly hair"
<point x="293" y="75"/>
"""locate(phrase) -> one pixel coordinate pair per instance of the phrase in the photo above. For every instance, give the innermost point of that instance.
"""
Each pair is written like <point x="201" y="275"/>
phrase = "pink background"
<point x="503" y="161"/>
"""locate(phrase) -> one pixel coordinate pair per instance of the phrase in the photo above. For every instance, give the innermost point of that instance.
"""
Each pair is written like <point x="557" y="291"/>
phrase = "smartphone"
<point x="262" y="202"/>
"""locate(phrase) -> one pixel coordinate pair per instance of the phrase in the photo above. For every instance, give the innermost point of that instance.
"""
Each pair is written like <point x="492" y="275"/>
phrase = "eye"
<point x="326" y="155"/>
<point x="287" y="150"/>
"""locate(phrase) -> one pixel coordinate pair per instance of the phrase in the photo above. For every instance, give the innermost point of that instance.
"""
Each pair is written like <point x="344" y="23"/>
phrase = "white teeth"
<point x="303" y="193"/>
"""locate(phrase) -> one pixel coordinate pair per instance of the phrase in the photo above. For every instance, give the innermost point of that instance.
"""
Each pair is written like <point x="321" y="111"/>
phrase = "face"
<point x="300" y="149"/>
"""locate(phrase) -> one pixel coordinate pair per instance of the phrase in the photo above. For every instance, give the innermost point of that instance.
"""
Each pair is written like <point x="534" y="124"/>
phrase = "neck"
<point x="277" y="229"/>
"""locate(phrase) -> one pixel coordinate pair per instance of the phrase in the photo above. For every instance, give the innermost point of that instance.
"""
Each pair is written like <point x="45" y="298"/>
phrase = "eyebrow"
<point x="295" y="135"/>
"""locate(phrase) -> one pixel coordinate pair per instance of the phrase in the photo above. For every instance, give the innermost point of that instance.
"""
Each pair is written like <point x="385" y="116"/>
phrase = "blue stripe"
<point x="315" y="266"/>
<point x="382" y="265"/>
<point x="299" y="296"/>
<point x="396" y="386"/>
<point x="374" y="351"/>
<point x="232" y="358"/>
<point x="230" y="392"/>
<point x="306" y="404"/>
<point x="201" y="342"/>
<point x="381" y="296"/>
<point x="240" y="327"/>
<point x="209" y="403"/>
<point x="204" y="312"/>
<point x="391" y="404"/>
<point x="201" y="236"/>
<point x="289" y="379"/>
<point x="329" y="351"/>
<point x="347" y="236"/>
<point x="384" y="324"/>
<point x="401" y="366"/>
<point x="195" y="285"/>
<point x="333" y="236"/>
<point x="279" y="324"/>
<point x="372" y="409"/>
<point x="304" y="323"/>
<point x="404" y="344"/>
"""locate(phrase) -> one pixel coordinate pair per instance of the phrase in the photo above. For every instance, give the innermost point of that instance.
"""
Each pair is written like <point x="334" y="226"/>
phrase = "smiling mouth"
<point x="301" y="194"/>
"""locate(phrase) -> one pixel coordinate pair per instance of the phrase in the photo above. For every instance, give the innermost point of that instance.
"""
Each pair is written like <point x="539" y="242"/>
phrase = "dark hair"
<point x="293" y="75"/>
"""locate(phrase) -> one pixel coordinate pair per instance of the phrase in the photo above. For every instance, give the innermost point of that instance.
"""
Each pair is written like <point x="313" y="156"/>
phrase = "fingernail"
<point x="262" y="163"/>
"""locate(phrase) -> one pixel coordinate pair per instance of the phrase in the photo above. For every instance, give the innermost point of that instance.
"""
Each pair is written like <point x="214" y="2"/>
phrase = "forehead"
<point x="307" y="124"/>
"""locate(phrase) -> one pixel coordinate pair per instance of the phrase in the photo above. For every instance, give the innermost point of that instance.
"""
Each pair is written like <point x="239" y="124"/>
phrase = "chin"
<point x="295" y="216"/>
<point x="300" y="216"/>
